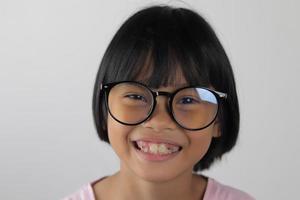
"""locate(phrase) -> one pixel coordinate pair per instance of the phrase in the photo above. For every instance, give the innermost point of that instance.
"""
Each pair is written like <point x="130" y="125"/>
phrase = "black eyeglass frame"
<point x="106" y="88"/>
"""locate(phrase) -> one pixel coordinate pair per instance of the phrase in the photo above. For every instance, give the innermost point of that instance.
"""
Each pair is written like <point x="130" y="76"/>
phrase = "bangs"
<point x="159" y="64"/>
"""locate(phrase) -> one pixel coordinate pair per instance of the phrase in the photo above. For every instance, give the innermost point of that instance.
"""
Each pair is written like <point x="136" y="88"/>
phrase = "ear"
<point x="216" y="129"/>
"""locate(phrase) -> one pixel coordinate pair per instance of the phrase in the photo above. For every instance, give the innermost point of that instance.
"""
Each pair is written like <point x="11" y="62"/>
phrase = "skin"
<point x="172" y="179"/>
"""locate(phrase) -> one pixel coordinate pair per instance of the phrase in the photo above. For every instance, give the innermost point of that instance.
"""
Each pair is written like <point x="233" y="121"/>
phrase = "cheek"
<point x="118" y="135"/>
<point x="199" y="143"/>
<point x="200" y="146"/>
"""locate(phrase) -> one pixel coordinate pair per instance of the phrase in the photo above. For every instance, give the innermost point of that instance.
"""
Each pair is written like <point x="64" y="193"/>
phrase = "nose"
<point x="160" y="120"/>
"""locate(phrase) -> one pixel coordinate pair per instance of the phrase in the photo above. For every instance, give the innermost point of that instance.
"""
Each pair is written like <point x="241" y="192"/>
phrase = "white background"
<point x="49" y="55"/>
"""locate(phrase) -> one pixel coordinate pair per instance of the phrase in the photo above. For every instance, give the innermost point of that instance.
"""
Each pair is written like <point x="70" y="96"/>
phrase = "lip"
<point x="154" y="157"/>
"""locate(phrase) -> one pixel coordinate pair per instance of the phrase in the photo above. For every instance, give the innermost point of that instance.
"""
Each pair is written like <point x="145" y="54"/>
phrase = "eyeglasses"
<point x="192" y="108"/>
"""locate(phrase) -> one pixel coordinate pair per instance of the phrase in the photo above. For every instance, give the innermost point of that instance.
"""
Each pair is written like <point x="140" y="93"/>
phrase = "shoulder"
<point x="218" y="191"/>
<point x="84" y="193"/>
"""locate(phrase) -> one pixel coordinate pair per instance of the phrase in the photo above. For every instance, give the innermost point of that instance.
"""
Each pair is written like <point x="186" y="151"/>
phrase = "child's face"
<point x="159" y="129"/>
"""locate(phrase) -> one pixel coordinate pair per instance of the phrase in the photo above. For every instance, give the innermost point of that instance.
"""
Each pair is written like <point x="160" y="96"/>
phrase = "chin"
<point x="157" y="176"/>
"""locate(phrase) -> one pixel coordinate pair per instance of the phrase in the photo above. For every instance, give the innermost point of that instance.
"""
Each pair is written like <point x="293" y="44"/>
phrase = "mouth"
<point x="156" y="151"/>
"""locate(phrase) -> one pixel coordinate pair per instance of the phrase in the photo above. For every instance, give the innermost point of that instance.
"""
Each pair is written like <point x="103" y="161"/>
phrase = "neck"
<point x="185" y="186"/>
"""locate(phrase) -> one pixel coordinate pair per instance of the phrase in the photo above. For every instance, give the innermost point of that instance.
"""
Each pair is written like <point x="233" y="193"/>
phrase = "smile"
<point x="156" y="151"/>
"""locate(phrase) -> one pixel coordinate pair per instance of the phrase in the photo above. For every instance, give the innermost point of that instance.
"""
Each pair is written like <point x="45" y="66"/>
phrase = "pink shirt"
<point x="214" y="191"/>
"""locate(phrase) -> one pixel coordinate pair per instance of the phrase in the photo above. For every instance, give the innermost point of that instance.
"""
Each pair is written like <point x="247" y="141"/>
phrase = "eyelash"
<point x="136" y="97"/>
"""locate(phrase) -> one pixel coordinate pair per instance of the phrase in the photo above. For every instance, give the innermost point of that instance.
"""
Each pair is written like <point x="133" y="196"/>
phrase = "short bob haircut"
<point x="157" y="44"/>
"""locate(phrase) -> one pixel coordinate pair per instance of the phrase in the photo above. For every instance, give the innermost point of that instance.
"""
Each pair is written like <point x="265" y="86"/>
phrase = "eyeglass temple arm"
<point x="102" y="86"/>
<point x="221" y="94"/>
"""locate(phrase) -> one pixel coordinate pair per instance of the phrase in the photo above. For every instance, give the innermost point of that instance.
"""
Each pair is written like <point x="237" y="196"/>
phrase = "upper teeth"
<point x="155" y="148"/>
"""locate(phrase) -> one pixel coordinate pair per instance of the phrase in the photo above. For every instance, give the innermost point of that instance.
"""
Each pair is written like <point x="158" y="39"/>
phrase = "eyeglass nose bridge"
<point x="169" y="96"/>
<point x="162" y="93"/>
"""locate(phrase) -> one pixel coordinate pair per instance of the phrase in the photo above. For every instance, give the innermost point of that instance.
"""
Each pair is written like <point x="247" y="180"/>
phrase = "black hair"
<point x="160" y="42"/>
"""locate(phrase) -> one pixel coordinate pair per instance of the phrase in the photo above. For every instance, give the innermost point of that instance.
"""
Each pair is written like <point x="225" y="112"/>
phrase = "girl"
<point x="165" y="99"/>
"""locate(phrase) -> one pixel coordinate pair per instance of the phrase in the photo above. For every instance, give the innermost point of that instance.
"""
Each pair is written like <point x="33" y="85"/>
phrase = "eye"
<point x="188" y="100"/>
<point x="136" y="97"/>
